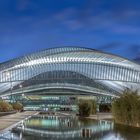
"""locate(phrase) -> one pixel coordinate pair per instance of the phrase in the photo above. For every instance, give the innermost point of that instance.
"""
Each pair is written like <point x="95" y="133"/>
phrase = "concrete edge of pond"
<point x="100" y="116"/>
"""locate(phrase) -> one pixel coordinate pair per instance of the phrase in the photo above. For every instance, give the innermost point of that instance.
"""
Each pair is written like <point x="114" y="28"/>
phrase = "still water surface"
<point x="70" y="128"/>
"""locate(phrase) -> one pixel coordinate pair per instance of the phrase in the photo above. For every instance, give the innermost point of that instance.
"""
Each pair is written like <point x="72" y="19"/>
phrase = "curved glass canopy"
<point x="74" y="68"/>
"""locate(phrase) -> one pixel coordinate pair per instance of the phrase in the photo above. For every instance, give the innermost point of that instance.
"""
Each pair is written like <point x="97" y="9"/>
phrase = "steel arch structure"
<point x="84" y="90"/>
<point x="109" y="71"/>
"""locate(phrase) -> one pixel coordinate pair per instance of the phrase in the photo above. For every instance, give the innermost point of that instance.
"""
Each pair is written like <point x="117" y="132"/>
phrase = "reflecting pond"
<point x="69" y="128"/>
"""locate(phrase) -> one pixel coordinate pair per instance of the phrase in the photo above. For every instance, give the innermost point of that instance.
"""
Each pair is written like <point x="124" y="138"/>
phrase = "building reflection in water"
<point x="60" y="128"/>
<point x="86" y="133"/>
<point x="64" y="127"/>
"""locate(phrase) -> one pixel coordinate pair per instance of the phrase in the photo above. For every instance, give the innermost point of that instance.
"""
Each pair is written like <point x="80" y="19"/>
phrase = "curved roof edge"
<point x="68" y="47"/>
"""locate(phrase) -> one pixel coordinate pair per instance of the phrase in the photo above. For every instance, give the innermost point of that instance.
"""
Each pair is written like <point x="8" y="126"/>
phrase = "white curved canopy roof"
<point x="108" y="70"/>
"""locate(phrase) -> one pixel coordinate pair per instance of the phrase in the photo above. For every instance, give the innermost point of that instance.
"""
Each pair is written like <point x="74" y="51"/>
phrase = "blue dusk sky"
<point x="28" y="26"/>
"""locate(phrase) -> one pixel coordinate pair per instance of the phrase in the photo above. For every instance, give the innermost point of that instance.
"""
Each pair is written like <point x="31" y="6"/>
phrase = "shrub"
<point x="126" y="108"/>
<point x="93" y="107"/>
<point x="17" y="106"/>
<point x="87" y="107"/>
<point x="5" y="106"/>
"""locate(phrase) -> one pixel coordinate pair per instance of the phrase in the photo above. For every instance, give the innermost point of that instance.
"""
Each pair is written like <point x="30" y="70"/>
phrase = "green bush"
<point x="87" y="107"/>
<point x="94" y="106"/>
<point x="126" y="109"/>
<point x="17" y="106"/>
<point x="5" y="106"/>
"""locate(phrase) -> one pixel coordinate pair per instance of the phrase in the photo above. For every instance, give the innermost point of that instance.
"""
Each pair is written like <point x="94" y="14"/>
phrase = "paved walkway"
<point x="101" y="116"/>
<point x="8" y="121"/>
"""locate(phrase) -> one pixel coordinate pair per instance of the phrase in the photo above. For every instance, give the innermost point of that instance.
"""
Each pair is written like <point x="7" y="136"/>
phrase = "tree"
<point x="93" y="106"/>
<point x="17" y="106"/>
<point x="5" y="106"/>
<point x="86" y="107"/>
<point x="126" y="108"/>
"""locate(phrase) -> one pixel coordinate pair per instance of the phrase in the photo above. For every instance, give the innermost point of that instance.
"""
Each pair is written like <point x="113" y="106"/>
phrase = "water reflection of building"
<point x="51" y="122"/>
<point x="65" y="127"/>
<point x="86" y="133"/>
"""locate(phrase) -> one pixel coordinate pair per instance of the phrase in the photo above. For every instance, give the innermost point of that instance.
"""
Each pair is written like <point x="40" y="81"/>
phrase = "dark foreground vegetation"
<point x="87" y="107"/>
<point x="10" y="107"/>
<point x="126" y="109"/>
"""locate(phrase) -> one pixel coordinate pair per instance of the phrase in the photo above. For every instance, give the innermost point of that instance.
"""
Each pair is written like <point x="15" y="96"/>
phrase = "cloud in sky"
<point x="88" y="12"/>
<point x="110" y="26"/>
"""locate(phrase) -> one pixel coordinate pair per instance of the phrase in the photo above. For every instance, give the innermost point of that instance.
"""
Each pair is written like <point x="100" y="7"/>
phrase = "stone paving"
<point x="10" y="120"/>
<point x="101" y="116"/>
